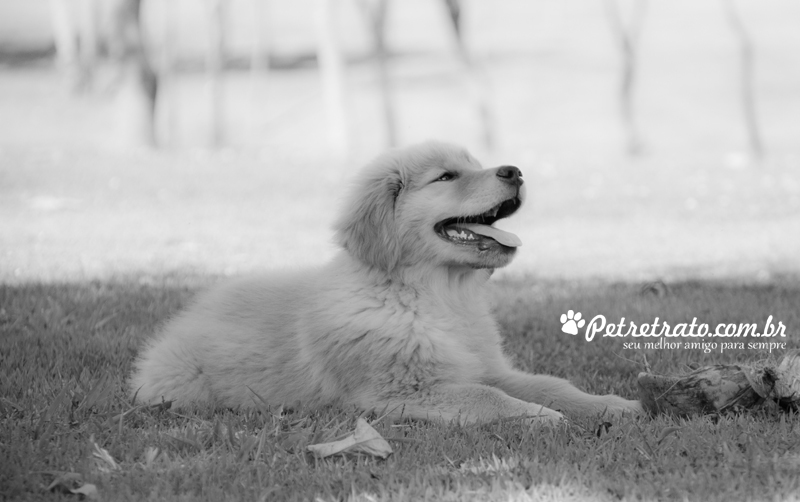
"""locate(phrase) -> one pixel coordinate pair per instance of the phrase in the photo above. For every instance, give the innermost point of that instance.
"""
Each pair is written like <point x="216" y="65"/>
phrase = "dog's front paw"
<point x="544" y="415"/>
<point x="618" y="406"/>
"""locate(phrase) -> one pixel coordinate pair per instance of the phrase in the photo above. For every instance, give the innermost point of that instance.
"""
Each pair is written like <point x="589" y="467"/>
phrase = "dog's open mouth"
<point x="478" y="230"/>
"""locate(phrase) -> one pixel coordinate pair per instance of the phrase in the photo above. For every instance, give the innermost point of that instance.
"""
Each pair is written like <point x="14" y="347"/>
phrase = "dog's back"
<point x="199" y="356"/>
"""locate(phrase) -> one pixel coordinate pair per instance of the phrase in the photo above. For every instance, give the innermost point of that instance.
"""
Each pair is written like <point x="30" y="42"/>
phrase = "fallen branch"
<point x="719" y="388"/>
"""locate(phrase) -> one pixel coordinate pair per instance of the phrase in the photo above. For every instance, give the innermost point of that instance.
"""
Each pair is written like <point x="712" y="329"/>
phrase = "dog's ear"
<point x="367" y="228"/>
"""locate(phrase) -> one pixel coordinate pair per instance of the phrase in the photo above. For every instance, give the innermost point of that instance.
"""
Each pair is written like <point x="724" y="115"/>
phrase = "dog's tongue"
<point x="501" y="236"/>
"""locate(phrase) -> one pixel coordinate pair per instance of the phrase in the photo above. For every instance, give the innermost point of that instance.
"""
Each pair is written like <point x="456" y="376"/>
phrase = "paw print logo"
<point x="571" y="322"/>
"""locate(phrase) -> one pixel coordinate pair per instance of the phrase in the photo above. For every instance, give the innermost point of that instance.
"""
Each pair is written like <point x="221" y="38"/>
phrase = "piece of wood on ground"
<point x="719" y="388"/>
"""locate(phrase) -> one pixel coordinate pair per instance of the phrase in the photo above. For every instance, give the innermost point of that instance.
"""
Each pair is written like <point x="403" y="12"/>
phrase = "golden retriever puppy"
<point x="398" y="322"/>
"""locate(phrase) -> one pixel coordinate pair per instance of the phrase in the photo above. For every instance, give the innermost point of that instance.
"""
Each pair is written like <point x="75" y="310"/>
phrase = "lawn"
<point x="67" y="348"/>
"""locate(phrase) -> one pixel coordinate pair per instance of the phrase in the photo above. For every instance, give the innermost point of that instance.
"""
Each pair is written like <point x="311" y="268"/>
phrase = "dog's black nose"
<point x="510" y="174"/>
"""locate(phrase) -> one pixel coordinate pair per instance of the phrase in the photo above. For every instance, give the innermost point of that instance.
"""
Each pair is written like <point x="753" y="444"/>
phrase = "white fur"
<point x="398" y="321"/>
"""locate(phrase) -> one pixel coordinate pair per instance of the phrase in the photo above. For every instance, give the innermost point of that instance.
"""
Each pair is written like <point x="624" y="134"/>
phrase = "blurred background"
<point x="658" y="139"/>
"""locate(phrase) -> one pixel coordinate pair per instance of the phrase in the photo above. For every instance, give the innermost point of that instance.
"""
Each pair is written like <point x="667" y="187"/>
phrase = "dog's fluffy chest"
<point x="414" y="335"/>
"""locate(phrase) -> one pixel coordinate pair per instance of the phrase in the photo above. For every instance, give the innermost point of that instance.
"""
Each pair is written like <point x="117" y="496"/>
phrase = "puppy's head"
<point x="431" y="204"/>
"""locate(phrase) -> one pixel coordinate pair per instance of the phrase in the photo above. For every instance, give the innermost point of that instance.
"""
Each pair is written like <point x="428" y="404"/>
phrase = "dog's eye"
<point x="446" y="177"/>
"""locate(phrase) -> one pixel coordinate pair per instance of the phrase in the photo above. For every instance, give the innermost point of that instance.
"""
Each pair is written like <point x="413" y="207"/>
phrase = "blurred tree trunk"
<point x="376" y="12"/>
<point x="75" y="33"/>
<point x="479" y="86"/>
<point x="747" y="78"/>
<point x="167" y="83"/>
<point x="215" y="61"/>
<point x="628" y="37"/>
<point x="138" y="83"/>
<point x="331" y="66"/>
<point x="259" y="61"/>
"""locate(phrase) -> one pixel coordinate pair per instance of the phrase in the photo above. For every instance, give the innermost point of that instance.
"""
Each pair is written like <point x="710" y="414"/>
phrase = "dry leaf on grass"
<point x="104" y="461"/>
<point x="66" y="481"/>
<point x="88" y="490"/>
<point x="72" y="482"/>
<point x="150" y="454"/>
<point x="364" y="439"/>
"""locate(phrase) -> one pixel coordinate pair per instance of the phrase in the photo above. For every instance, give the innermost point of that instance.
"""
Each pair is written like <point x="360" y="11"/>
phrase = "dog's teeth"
<point x="460" y="234"/>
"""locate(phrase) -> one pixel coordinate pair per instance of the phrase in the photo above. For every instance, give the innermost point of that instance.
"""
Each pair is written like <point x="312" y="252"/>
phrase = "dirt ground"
<point x="73" y="205"/>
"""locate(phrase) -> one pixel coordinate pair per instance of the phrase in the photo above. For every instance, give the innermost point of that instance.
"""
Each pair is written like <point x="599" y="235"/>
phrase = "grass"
<point x="67" y="348"/>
